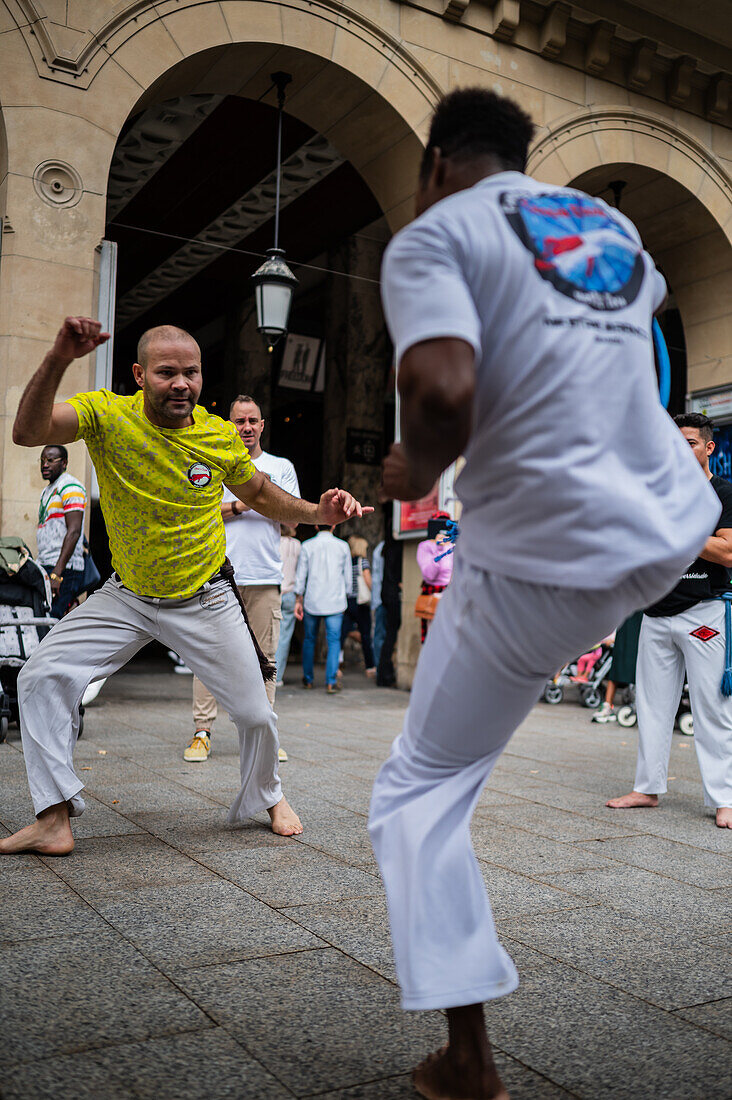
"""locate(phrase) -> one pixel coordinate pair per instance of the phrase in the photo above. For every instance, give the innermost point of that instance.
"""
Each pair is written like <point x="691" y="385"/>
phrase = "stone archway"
<point x="356" y="83"/>
<point x="679" y="196"/>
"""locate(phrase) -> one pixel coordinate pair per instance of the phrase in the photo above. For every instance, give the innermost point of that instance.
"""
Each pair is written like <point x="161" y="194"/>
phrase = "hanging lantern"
<point x="274" y="284"/>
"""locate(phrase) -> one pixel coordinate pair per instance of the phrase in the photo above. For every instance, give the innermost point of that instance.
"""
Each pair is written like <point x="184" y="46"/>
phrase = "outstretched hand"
<point x="78" y="336"/>
<point x="336" y="506"/>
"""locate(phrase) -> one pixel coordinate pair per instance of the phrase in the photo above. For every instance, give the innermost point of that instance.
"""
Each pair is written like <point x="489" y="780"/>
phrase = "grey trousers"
<point x="98" y="638"/>
<point x="668" y="646"/>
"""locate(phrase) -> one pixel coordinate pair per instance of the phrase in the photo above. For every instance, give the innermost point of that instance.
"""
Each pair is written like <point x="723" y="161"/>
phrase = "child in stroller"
<point x="587" y="672"/>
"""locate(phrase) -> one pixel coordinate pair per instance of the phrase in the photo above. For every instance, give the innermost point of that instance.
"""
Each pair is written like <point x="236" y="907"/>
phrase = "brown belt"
<point x="268" y="668"/>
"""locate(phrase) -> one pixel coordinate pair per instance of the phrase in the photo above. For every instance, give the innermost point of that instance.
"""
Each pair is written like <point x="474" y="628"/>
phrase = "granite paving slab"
<point x="358" y="927"/>
<point x="298" y="999"/>
<point x="597" y="1041"/>
<point x="97" y="820"/>
<point x="40" y="908"/>
<point x="296" y="875"/>
<point x="666" y="967"/>
<point x="166" y="924"/>
<point x="524" y="852"/>
<point x="682" y="862"/>
<point x="71" y="993"/>
<point x="651" y="896"/>
<point x="716" y="1016"/>
<point x="521" y="1083"/>
<point x="198" y="831"/>
<point x="109" y="867"/>
<point x="209" y="1065"/>
<point x="552" y="823"/>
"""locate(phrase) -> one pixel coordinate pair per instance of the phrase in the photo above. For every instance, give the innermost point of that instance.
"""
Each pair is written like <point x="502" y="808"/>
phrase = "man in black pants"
<point x="391" y="599"/>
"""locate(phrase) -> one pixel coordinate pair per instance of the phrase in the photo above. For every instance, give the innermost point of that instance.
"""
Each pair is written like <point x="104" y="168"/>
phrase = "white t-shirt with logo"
<point x="575" y="475"/>
<point x="252" y="540"/>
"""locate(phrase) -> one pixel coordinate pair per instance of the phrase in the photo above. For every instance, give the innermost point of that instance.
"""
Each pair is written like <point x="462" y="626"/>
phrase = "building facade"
<point x="149" y="126"/>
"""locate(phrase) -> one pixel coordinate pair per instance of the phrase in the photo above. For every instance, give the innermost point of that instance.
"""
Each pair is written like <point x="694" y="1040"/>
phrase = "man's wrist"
<point x="58" y="362"/>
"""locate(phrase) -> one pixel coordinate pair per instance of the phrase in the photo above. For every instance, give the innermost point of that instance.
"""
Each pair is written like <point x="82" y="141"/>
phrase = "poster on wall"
<point x="411" y="516"/>
<point x="300" y="362"/>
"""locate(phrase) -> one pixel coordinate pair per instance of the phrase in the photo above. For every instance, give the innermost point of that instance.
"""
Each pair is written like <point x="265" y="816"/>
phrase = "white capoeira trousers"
<point x="98" y="638"/>
<point x="670" y="648"/>
<point x="492" y="646"/>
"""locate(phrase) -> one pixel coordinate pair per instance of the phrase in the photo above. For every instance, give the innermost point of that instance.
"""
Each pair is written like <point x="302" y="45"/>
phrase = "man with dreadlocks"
<point x="161" y="461"/>
<point x="521" y="318"/>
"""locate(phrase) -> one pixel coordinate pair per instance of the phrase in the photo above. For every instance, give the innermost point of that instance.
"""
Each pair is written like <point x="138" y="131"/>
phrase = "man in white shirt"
<point x="253" y="548"/>
<point x="323" y="584"/>
<point x="541" y="374"/>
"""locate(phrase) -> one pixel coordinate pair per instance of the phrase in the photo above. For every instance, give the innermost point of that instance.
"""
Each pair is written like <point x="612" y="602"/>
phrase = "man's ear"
<point x="711" y="447"/>
<point x="138" y="374"/>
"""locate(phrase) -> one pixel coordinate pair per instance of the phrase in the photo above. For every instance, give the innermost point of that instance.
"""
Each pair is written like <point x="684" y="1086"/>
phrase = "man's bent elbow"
<point x="24" y="438"/>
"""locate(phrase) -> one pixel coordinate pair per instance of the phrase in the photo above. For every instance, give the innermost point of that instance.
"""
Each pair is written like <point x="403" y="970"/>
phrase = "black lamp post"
<point x="274" y="283"/>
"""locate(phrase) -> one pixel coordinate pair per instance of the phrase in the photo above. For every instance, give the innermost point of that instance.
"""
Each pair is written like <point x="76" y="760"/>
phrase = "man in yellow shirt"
<point x="161" y="463"/>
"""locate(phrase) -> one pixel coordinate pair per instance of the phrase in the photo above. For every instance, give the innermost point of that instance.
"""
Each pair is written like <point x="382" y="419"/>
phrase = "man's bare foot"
<point x="50" y="834"/>
<point x="632" y="801"/>
<point x="285" y="821"/>
<point x="464" y="1069"/>
<point x="724" y="817"/>
<point x="442" y="1076"/>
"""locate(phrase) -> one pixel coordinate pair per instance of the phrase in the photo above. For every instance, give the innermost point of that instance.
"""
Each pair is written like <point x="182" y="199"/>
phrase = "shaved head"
<point x="162" y="334"/>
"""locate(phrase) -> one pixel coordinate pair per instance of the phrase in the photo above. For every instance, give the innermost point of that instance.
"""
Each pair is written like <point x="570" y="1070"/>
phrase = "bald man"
<point x="161" y="462"/>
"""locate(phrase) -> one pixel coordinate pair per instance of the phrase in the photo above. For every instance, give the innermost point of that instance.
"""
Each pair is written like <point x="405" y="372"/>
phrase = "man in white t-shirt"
<point x="521" y="317"/>
<point x="253" y="548"/>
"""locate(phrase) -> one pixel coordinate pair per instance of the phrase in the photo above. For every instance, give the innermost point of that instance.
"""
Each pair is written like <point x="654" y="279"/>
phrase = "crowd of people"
<point x="583" y="503"/>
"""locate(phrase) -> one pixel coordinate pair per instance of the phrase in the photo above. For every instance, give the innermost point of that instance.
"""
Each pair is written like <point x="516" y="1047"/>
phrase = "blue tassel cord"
<point x="727" y="677"/>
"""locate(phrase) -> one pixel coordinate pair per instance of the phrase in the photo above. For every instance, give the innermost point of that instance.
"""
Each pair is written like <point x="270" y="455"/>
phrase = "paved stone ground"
<point x="173" y="957"/>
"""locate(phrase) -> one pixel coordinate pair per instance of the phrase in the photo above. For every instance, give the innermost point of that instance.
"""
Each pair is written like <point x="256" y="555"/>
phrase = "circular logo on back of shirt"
<point x="578" y="246"/>
<point x="199" y="475"/>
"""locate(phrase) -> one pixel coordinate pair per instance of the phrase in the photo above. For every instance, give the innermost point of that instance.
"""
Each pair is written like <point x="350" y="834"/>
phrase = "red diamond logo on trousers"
<point x="704" y="633"/>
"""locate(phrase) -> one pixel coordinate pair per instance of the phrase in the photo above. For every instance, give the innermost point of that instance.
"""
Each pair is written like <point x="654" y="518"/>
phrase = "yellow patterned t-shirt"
<point x="160" y="490"/>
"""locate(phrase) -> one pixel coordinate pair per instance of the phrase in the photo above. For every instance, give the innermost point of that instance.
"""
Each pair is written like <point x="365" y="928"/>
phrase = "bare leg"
<point x="610" y="690"/>
<point x="50" y="834"/>
<point x="285" y="821"/>
<point x="632" y="801"/>
<point x="724" y="817"/>
<point x="464" y="1069"/>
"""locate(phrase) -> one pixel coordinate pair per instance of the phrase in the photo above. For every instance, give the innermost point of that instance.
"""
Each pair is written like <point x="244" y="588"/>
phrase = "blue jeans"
<point x="333" y="638"/>
<point x="286" y="628"/>
<point x="69" y="589"/>
<point x="379" y="631"/>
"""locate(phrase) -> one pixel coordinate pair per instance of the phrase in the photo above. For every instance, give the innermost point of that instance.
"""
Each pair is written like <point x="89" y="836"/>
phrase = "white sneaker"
<point x="606" y="713"/>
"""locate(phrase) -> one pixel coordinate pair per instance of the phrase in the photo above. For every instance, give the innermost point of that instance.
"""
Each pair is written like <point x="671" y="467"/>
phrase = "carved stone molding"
<point x="597" y="53"/>
<point x="641" y="64"/>
<point x="718" y="97"/>
<point x="507" y="15"/>
<point x="679" y="80"/>
<point x="57" y="183"/>
<point x="454" y="10"/>
<point x="553" y="34"/>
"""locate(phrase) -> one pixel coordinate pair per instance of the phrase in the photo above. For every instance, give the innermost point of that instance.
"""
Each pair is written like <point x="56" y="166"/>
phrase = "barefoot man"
<point x="684" y="636"/>
<point x="161" y="461"/>
<point x="521" y="318"/>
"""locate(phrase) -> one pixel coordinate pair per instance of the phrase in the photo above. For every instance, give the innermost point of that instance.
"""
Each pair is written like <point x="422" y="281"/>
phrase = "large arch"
<point x="679" y="196"/>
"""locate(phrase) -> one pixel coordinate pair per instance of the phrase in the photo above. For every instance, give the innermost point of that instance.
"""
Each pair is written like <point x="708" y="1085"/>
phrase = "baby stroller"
<point x="590" y="693"/>
<point x="25" y="618"/>
<point x="627" y="717"/>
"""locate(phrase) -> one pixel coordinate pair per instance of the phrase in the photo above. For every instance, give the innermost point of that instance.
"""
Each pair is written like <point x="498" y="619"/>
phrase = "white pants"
<point x="666" y="647"/>
<point x="493" y="644"/>
<point x="98" y="638"/>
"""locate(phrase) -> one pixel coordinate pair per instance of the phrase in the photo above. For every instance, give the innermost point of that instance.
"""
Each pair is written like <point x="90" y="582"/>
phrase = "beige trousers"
<point x="262" y="602"/>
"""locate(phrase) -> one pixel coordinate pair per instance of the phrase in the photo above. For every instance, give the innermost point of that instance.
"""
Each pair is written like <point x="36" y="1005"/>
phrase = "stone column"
<point x="52" y="206"/>
<point x="358" y="358"/>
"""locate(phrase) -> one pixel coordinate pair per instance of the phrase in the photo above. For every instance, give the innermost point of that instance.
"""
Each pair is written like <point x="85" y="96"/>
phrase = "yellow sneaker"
<point x="199" y="748"/>
<point x="281" y="755"/>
